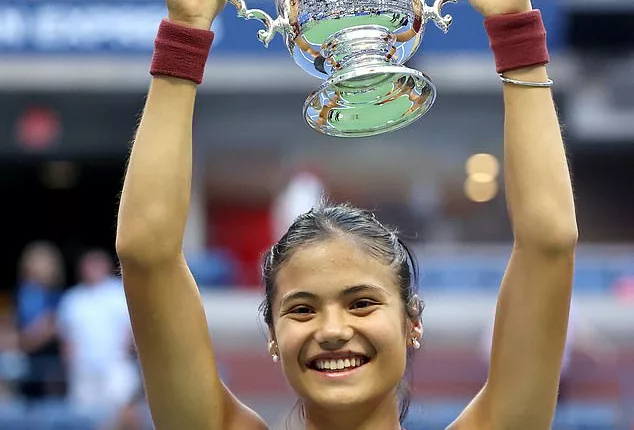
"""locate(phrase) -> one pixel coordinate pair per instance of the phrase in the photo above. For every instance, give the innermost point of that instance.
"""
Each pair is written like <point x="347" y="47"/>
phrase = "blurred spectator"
<point x="134" y="415"/>
<point x="38" y="295"/>
<point x="10" y="357"/>
<point x="302" y="192"/>
<point x="213" y="268"/>
<point x="97" y="339"/>
<point x="581" y="337"/>
<point x="624" y="289"/>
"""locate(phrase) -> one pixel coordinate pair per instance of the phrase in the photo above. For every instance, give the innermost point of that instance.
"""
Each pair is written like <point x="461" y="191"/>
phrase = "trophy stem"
<point x="359" y="46"/>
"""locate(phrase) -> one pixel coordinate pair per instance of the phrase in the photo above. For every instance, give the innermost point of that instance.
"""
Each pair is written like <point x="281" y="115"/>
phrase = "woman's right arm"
<point x="181" y="380"/>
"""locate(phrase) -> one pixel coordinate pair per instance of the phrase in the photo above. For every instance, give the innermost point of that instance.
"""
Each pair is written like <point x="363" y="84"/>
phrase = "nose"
<point x="334" y="330"/>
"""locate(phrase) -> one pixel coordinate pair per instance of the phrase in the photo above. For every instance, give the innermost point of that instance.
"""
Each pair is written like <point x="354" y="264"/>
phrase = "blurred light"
<point x="480" y="192"/>
<point x="481" y="184"/>
<point x="59" y="175"/>
<point x="483" y="164"/>
<point x="482" y="177"/>
<point x="38" y="128"/>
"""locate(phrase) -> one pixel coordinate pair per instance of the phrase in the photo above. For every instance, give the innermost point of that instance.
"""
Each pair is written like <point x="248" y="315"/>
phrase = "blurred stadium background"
<point x="73" y="76"/>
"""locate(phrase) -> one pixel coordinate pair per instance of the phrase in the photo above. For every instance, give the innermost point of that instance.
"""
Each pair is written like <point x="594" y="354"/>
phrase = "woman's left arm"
<point x="533" y="305"/>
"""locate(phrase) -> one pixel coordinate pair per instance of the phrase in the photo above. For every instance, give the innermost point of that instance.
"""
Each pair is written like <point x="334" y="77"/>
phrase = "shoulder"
<point x="112" y="287"/>
<point x="113" y="294"/>
<point x="247" y="419"/>
<point x="71" y="299"/>
<point x="474" y="416"/>
<point x="71" y="295"/>
<point x="240" y="416"/>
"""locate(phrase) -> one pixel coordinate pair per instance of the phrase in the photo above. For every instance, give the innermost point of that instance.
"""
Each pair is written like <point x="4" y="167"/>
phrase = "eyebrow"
<point x="354" y="289"/>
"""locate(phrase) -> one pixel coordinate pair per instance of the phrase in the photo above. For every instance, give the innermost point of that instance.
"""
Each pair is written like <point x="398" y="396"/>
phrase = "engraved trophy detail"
<point x="358" y="47"/>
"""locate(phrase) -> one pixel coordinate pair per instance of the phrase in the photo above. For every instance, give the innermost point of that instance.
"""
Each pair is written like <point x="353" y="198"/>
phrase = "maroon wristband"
<point x="517" y="40"/>
<point x="181" y="51"/>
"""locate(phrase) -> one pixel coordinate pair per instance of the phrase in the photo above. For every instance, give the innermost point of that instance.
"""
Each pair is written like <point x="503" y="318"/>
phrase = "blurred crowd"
<point x="70" y="344"/>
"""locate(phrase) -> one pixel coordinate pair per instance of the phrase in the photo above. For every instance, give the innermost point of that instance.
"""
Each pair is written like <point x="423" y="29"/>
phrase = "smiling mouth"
<point x="338" y="365"/>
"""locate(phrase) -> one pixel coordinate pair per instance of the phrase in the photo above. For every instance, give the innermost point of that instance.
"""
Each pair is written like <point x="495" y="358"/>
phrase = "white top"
<point x="301" y="194"/>
<point x="94" y="321"/>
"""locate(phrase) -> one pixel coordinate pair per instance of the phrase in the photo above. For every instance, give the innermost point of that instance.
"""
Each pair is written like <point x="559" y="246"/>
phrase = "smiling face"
<point x="339" y="325"/>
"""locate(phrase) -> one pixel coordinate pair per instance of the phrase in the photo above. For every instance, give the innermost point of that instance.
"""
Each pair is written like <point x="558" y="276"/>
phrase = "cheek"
<point x="390" y="321"/>
<point x="388" y="336"/>
<point x="290" y="339"/>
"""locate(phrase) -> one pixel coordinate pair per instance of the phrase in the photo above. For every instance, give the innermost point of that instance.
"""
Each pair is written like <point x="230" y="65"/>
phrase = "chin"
<point x="339" y="399"/>
<point x="344" y="394"/>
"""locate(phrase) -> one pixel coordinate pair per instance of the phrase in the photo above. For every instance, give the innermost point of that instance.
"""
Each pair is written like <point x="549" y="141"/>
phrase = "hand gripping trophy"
<point x="358" y="47"/>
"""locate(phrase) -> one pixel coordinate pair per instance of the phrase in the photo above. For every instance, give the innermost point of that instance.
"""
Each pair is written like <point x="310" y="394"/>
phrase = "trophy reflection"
<point x="358" y="47"/>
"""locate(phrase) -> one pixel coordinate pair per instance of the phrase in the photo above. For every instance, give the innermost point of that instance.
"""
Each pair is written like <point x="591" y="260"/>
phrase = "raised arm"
<point x="533" y="304"/>
<point x="171" y="334"/>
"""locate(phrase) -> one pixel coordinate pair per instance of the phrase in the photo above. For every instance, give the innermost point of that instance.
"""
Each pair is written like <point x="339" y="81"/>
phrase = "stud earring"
<point x="415" y="343"/>
<point x="273" y="351"/>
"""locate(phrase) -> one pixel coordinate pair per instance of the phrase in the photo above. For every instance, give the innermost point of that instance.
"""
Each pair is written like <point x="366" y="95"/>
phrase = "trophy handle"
<point x="435" y="14"/>
<point x="271" y="25"/>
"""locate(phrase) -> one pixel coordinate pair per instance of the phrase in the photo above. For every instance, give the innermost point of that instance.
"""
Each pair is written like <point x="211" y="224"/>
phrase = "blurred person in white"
<point x="97" y="339"/>
<point x="41" y="277"/>
<point x="301" y="193"/>
<point x="341" y="304"/>
<point x="582" y="337"/>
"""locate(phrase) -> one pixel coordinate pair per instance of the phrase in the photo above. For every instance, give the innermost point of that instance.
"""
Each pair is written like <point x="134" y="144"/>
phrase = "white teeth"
<point x="339" y="364"/>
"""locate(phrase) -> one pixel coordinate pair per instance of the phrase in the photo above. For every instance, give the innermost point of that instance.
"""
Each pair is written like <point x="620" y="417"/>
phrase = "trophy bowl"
<point x="358" y="47"/>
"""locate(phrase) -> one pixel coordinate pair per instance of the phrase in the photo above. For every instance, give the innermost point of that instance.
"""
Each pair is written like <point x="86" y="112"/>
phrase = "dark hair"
<point x="327" y="221"/>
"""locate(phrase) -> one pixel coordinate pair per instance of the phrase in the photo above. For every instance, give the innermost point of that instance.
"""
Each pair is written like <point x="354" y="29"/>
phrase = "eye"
<point x="362" y="304"/>
<point x="301" y="310"/>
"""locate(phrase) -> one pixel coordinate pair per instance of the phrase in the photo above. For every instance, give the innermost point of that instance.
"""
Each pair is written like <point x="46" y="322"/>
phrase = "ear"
<point x="272" y="346"/>
<point x="415" y="323"/>
<point x="415" y="329"/>
<point x="415" y="306"/>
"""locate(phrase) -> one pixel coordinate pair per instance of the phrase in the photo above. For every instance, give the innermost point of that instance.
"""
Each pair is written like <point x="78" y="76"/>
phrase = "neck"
<point x="381" y="415"/>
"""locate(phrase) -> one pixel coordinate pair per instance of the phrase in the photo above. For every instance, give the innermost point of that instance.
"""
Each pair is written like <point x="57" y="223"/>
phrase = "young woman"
<point x="340" y="302"/>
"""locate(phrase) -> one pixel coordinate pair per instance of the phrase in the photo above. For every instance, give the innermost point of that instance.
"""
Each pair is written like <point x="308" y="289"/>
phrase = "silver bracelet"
<point x="549" y="82"/>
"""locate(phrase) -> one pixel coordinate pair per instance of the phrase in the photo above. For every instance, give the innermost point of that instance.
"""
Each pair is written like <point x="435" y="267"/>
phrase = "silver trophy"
<point x="358" y="47"/>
